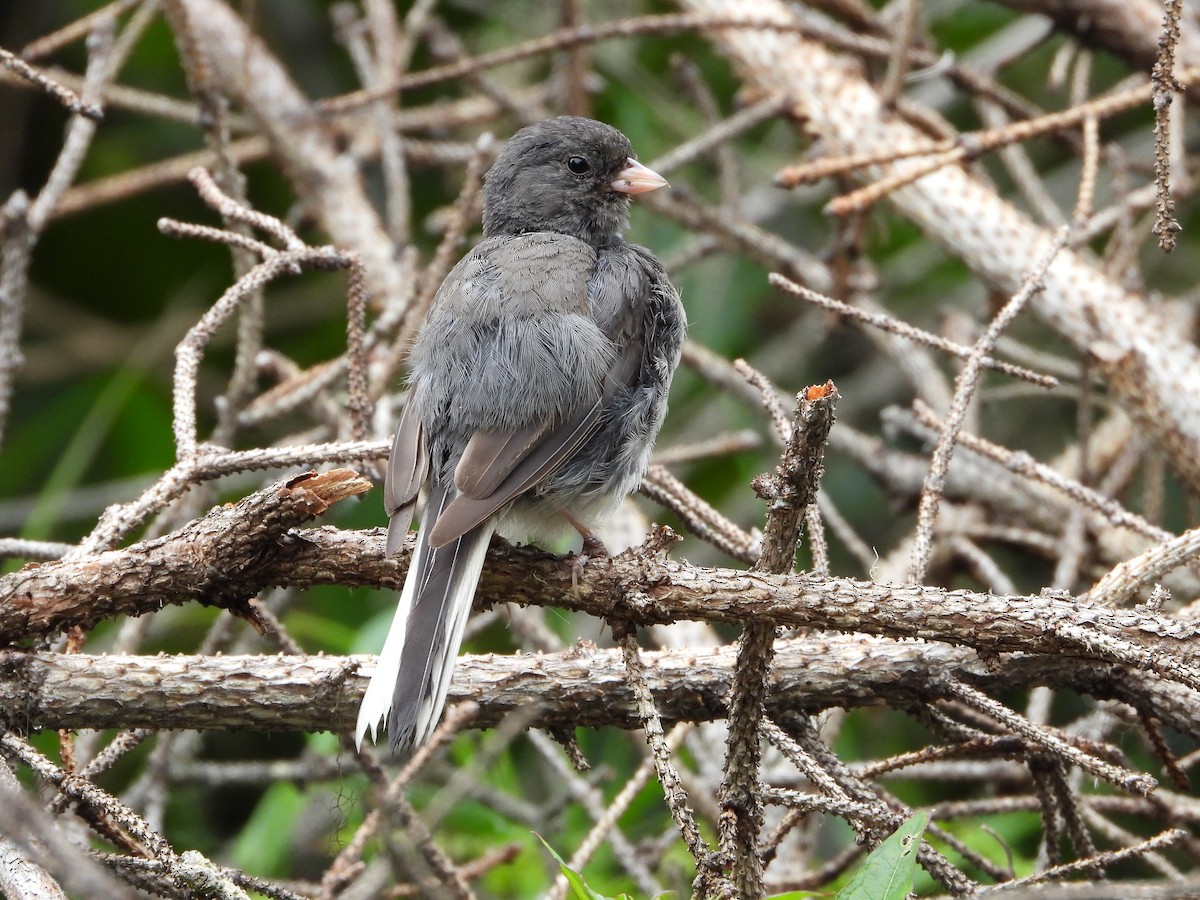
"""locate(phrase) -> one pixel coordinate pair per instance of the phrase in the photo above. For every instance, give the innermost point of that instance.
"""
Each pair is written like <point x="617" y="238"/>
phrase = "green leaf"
<point x="887" y="873"/>
<point x="267" y="843"/>
<point x="578" y="886"/>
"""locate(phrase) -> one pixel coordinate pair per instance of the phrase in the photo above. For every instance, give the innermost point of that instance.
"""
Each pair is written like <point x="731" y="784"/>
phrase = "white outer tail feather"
<point x="377" y="701"/>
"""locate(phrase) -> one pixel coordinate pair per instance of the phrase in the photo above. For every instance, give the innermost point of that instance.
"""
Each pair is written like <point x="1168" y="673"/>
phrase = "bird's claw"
<point x="593" y="548"/>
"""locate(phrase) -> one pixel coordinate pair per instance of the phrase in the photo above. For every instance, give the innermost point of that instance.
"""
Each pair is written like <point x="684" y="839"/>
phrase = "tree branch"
<point x="218" y="559"/>
<point x="583" y="686"/>
<point x="232" y="553"/>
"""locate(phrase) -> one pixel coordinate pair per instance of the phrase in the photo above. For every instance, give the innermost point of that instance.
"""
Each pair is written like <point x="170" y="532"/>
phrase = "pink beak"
<point x="637" y="179"/>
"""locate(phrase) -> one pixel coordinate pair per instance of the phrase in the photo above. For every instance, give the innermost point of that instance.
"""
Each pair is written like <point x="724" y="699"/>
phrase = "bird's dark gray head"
<point x="568" y="175"/>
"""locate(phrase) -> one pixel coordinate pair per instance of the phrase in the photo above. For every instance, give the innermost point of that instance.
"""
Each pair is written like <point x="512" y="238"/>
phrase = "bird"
<point x="538" y="384"/>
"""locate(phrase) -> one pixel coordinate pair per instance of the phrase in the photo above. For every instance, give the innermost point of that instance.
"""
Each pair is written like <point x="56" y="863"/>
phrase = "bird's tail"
<point x="413" y="673"/>
<point x="377" y="701"/>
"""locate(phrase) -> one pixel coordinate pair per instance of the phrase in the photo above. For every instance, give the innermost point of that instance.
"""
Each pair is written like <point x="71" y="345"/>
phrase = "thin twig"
<point x="1024" y="464"/>
<point x="1099" y="861"/>
<point x="668" y="777"/>
<point x="898" y="63"/>
<point x="905" y="330"/>
<point x="1164" y="87"/>
<point x="63" y="95"/>
<point x="964" y="391"/>
<point x="1135" y="782"/>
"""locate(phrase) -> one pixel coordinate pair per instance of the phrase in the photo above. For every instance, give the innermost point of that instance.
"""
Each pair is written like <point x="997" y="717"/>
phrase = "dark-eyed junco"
<point x="539" y="383"/>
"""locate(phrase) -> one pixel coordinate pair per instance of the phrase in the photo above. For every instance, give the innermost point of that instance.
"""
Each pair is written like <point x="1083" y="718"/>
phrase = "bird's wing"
<point x="498" y="466"/>
<point x="407" y="467"/>
<point x="490" y="456"/>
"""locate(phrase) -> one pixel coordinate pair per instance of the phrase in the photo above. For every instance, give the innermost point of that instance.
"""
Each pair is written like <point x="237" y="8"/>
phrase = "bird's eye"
<point x="578" y="165"/>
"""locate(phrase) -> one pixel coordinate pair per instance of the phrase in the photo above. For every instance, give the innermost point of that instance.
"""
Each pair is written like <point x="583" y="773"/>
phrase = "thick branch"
<point x="217" y="559"/>
<point x="1128" y="28"/>
<point x="206" y="561"/>
<point x="582" y="686"/>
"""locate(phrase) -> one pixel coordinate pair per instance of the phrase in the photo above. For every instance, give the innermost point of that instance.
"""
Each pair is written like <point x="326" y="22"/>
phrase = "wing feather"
<point x="522" y="472"/>
<point x="407" y="468"/>
<point x="490" y="456"/>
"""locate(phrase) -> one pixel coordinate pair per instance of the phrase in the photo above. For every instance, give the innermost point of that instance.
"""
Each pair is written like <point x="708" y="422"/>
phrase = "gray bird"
<point x="539" y="383"/>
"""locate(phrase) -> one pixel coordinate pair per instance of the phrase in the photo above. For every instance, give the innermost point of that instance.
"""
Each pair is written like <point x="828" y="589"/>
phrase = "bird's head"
<point x="568" y="175"/>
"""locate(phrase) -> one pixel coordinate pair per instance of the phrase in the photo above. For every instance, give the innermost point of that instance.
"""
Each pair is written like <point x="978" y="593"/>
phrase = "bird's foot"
<point x="593" y="548"/>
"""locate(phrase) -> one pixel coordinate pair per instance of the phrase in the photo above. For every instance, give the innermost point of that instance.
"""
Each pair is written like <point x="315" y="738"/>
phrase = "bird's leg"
<point x="593" y="547"/>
